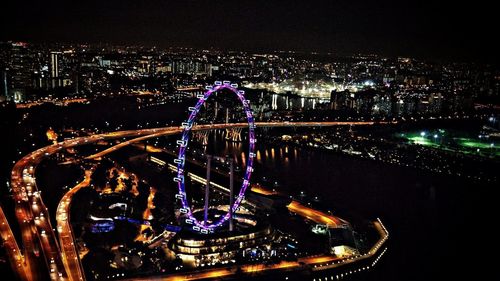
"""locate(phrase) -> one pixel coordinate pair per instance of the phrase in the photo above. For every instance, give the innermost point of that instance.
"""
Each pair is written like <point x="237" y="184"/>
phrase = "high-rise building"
<point x="145" y="64"/>
<point x="382" y="104"/>
<point x="19" y="72"/>
<point x="3" y="71"/>
<point x="3" y="84"/>
<point x="339" y="99"/>
<point x="435" y="103"/>
<point x="55" y="64"/>
<point x="192" y="67"/>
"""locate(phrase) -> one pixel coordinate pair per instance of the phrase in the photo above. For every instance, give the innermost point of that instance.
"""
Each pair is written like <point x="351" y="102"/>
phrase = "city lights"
<point x="130" y="145"/>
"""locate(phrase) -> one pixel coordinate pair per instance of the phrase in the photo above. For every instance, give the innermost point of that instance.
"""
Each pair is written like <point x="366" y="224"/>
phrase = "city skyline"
<point x="419" y="29"/>
<point x="248" y="140"/>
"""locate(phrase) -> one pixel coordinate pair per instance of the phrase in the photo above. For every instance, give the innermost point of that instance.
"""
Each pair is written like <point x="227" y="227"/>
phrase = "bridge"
<point x="165" y="131"/>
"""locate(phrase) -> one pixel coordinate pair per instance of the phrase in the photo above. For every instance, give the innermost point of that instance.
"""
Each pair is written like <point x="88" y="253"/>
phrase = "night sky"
<point x="426" y="29"/>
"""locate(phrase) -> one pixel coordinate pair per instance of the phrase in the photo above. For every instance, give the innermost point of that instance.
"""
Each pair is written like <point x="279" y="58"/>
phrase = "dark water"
<point x="441" y="226"/>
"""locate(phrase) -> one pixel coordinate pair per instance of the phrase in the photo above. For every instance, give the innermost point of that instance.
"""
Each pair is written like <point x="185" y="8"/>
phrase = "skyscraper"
<point x="55" y="58"/>
<point x="19" y="72"/>
<point x="3" y="85"/>
<point x="3" y="71"/>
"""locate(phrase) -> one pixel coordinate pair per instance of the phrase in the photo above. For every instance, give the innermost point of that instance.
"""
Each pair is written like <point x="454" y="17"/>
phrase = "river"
<point x="440" y="225"/>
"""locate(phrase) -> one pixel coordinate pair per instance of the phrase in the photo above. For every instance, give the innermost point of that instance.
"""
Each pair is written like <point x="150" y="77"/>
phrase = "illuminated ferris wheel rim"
<point x="183" y="143"/>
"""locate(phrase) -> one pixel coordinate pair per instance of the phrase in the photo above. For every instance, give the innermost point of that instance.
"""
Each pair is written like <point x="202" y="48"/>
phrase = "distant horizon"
<point x="430" y="30"/>
<point x="333" y="54"/>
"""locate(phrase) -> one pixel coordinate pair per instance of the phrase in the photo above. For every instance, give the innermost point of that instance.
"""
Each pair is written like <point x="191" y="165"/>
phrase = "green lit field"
<point x="441" y="139"/>
<point x="422" y="141"/>
<point x="466" y="142"/>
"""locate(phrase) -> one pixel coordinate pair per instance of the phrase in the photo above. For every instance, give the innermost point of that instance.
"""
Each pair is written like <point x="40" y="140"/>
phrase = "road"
<point x="16" y="259"/>
<point x="302" y="210"/>
<point x="66" y="239"/>
<point x="315" y="263"/>
<point x="313" y="215"/>
<point x="33" y="216"/>
<point x="176" y="130"/>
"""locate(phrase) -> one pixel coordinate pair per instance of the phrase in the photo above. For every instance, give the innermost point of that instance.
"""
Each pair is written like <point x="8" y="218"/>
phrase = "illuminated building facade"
<point x="195" y="250"/>
<point x="18" y="75"/>
<point x="55" y="58"/>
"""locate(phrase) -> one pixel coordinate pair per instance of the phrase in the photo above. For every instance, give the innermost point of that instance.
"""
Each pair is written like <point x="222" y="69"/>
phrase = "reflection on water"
<point x="267" y="157"/>
<point x="417" y="207"/>
<point x="243" y="159"/>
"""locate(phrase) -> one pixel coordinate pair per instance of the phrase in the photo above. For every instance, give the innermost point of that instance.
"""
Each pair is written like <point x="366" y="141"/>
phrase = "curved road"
<point x="33" y="217"/>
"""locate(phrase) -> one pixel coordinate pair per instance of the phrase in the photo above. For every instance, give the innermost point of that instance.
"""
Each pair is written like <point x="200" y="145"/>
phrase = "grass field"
<point x="440" y="140"/>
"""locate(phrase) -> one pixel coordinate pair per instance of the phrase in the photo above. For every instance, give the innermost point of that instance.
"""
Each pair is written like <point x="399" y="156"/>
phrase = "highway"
<point x="14" y="254"/>
<point x="36" y="228"/>
<point x="66" y="239"/>
<point x="33" y="216"/>
<point x="21" y="187"/>
<point x="175" y="130"/>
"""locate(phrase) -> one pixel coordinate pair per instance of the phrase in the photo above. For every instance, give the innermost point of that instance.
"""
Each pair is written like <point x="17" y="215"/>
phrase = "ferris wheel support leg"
<point x="207" y="189"/>
<point x="231" y="193"/>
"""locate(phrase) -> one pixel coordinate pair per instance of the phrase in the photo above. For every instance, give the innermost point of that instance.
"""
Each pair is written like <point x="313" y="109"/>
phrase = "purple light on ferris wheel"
<point x="183" y="143"/>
